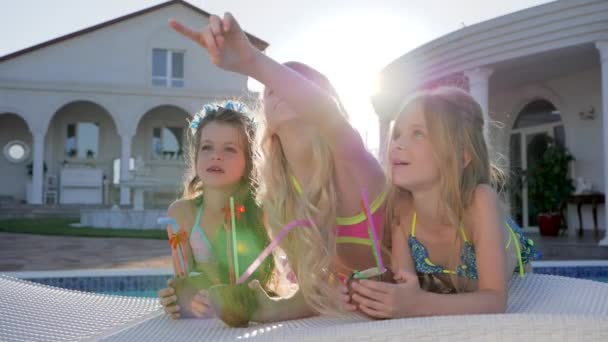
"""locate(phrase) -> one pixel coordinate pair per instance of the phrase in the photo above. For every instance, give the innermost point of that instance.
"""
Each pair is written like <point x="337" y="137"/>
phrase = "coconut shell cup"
<point x="373" y="273"/>
<point x="185" y="290"/>
<point x="233" y="304"/>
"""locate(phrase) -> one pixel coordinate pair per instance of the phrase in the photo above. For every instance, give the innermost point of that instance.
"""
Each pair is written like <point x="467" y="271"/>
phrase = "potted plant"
<point x="549" y="183"/>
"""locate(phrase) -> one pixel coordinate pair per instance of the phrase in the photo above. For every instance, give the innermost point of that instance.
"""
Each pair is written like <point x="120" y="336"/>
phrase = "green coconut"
<point x="369" y="274"/>
<point x="233" y="304"/>
<point x="186" y="289"/>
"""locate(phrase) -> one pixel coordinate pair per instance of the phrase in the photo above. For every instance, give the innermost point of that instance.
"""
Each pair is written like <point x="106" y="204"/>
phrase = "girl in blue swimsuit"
<point x="453" y="252"/>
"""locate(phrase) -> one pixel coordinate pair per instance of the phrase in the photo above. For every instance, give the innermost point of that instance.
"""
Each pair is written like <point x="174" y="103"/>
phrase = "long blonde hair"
<point x="310" y="251"/>
<point x="455" y="124"/>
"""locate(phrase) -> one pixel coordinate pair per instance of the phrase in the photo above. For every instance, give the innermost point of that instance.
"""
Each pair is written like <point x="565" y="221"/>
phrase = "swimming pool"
<point x="136" y="293"/>
<point x="591" y="269"/>
<point x="146" y="283"/>
<point x="123" y="282"/>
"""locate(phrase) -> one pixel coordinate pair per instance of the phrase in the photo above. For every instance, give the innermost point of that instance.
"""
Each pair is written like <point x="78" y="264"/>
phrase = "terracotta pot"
<point x="549" y="224"/>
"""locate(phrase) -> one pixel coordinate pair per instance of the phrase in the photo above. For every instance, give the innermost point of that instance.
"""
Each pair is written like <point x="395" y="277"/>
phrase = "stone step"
<point x="43" y="211"/>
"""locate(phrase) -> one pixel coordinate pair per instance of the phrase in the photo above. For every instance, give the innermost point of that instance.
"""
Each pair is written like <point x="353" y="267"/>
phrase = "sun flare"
<point x="351" y="48"/>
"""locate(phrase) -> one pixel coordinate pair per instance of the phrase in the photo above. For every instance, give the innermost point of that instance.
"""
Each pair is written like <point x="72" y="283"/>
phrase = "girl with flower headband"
<point x="219" y="167"/>
<point x="453" y="250"/>
<point x="313" y="165"/>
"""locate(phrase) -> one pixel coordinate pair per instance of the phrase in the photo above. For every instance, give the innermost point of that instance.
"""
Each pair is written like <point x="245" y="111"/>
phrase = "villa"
<point x="99" y="116"/>
<point x="86" y="109"/>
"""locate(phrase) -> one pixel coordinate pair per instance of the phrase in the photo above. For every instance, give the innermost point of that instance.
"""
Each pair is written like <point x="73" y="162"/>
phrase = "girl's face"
<point x="221" y="155"/>
<point x="275" y="109"/>
<point x="412" y="164"/>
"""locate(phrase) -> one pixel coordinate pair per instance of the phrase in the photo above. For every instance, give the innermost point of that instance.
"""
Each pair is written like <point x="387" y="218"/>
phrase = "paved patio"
<point x="24" y="252"/>
<point x="571" y="247"/>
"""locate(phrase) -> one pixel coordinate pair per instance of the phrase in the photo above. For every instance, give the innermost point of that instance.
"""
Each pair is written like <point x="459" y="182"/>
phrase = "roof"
<point x="257" y="42"/>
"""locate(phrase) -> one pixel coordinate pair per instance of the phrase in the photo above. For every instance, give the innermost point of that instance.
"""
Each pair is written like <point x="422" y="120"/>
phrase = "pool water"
<point x="135" y="293"/>
<point x="149" y="285"/>
<point x="602" y="279"/>
<point x="154" y="294"/>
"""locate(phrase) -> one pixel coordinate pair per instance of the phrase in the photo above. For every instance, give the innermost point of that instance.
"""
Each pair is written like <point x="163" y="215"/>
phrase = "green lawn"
<point x="60" y="226"/>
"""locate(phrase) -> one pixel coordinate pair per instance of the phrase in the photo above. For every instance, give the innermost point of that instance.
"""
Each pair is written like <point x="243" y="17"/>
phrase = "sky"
<point x="348" y="40"/>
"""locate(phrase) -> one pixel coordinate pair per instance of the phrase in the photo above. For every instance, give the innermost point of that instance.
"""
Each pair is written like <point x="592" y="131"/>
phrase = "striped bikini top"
<point x="354" y="229"/>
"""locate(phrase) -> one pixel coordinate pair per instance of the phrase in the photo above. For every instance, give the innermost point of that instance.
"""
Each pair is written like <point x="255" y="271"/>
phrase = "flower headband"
<point x="213" y="108"/>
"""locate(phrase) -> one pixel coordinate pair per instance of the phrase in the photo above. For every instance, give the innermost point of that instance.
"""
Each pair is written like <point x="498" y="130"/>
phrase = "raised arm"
<point x="229" y="49"/>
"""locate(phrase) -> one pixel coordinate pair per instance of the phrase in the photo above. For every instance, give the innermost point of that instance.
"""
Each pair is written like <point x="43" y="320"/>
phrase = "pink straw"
<point x="372" y="230"/>
<point x="275" y="242"/>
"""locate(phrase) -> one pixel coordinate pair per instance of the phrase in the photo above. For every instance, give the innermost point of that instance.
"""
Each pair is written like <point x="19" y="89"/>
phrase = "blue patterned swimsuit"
<point x="468" y="265"/>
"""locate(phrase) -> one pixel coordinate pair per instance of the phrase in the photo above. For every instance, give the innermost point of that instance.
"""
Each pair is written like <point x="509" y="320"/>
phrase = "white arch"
<point x="149" y="107"/>
<point x="532" y="93"/>
<point x="96" y="100"/>
<point x="18" y="112"/>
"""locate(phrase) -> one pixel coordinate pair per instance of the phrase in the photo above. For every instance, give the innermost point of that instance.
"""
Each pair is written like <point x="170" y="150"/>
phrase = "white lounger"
<point x="540" y="307"/>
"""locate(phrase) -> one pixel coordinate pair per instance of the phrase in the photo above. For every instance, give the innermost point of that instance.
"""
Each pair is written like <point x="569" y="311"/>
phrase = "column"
<point x="479" y="88"/>
<point x="125" y="156"/>
<point x="37" y="168"/>
<point x="602" y="46"/>
<point x="384" y="125"/>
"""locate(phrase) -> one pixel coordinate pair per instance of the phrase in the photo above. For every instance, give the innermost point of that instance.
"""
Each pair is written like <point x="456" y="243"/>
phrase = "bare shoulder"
<point x="182" y="211"/>
<point x="483" y="212"/>
<point x="180" y="206"/>
<point x="484" y="197"/>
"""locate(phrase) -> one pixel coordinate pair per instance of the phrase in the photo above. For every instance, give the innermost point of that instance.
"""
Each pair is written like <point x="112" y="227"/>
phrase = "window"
<point x="167" y="142"/>
<point x="167" y="68"/>
<point x="16" y="151"/>
<point x="82" y="140"/>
